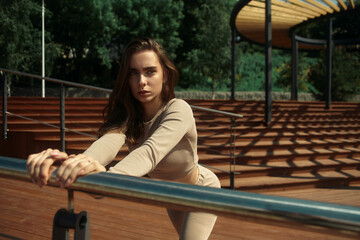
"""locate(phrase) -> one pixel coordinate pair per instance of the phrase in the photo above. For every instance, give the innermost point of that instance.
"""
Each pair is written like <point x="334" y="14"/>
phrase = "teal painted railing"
<point x="235" y="204"/>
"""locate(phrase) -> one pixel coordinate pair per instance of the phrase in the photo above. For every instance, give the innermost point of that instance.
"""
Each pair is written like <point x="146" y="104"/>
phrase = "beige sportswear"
<point x="167" y="150"/>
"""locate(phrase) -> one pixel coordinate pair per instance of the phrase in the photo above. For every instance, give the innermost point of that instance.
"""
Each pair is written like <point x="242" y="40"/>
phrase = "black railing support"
<point x="294" y="67"/>
<point x="268" y="62"/>
<point x="233" y="153"/>
<point x="232" y="180"/>
<point x="62" y="118"/>
<point x="328" y="66"/>
<point x="65" y="220"/>
<point x="233" y="36"/>
<point x="4" y="106"/>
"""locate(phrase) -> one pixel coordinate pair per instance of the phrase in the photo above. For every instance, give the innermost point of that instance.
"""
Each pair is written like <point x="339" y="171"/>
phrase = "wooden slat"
<point x="261" y="13"/>
<point x="352" y="4"/>
<point x="280" y="9"/>
<point x="342" y="4"/>
<point x="258" y="16"/>
<point x="253" y="20"/>
<point x="305" y="11"/>
<point x="308" y="6"/>
<point x="331" y="4"/>
<point x="319" y="5"/>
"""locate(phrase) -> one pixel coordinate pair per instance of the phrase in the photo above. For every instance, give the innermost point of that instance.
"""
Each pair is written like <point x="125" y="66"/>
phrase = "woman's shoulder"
<point x="178" y="104"/>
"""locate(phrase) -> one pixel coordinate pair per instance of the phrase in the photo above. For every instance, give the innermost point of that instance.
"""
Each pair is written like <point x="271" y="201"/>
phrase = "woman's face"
<point x="146" y="78"/>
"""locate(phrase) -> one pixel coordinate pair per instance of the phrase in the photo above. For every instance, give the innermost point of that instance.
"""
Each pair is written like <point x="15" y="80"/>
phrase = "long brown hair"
<point x="123" y="112"/>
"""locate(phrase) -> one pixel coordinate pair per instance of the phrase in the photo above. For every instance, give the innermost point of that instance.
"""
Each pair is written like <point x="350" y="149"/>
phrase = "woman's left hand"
<point x="76" y="166"/>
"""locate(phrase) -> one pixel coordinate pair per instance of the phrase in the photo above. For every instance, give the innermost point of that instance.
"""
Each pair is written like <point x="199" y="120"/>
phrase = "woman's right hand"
<point x="41" y="165"/>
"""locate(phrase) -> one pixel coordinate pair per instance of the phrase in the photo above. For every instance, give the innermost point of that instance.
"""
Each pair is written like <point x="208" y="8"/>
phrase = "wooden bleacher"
<point x="306" y="145"/>
<point x="305" y="151"/>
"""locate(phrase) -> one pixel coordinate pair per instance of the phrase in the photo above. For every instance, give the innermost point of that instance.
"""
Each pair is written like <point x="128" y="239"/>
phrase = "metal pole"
<point x="233" y="63"/>
<point x="62" y="118"/>
<point x="4" y="106"/>
<point x="268" y="61"/>
<point x="232" y="153"/>
<point x="294" y="67"/>
<point x="43" y="49"/>
<point x="71" y="201"/>
<point x="328" y="66"/>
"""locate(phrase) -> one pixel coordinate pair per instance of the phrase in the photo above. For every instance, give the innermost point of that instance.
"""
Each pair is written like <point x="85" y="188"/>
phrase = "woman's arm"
<point x="105" y="149"/>
<point x="178" y="119"/>
<point x="101" y="152"/>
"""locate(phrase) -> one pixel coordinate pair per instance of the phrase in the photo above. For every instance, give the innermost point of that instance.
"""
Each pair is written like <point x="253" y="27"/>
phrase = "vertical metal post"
<point x="4" y="106"/>
<point x="43" y="48"/>
<point x="70" y="201"/>
<point x="233" y="36"/>
<point x="328" y="66"/>
<point x="294" y="67"/>
<point x="268" y="62"/>
<point x="232" y="153"/>
<point x="62" y="118"/>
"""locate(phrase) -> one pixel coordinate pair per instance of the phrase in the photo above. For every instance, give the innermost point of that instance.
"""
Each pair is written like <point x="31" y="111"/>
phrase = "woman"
<point x="159" y="130"/>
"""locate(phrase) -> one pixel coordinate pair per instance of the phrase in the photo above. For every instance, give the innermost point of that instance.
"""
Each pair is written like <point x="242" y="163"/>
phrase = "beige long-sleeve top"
<point x="167" y="149"/>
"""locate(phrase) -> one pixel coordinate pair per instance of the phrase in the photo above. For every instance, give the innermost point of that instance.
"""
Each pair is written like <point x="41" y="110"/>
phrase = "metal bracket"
<point x="64" y="220"/>
<point x="67" y="219"/>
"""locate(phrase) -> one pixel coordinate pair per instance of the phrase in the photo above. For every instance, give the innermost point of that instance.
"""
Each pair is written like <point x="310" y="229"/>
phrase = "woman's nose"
<point x="142" y="80"/>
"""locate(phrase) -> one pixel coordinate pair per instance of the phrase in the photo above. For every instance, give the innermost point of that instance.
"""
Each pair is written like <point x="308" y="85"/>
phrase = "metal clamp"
<point x="67" y="219"/>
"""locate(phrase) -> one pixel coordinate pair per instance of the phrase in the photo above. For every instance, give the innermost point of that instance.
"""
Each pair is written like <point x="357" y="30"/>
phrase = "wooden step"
<point x="296" y="181"/>
<point x="304" y="142"/>
<point x="286" y="168"/>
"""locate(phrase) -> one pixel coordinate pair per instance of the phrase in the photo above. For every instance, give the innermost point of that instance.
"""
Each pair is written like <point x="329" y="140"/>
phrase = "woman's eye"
<point x="132" y="73"/>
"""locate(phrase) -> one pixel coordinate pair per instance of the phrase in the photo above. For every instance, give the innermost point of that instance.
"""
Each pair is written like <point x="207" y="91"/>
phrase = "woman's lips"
<point x="143" y="92"/>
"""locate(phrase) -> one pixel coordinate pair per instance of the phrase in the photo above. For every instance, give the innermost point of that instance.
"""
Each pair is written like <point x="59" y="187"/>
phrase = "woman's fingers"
<point x="76" y="166"/>
<point x="40" y="166"/>
<point x="59" y="156"/>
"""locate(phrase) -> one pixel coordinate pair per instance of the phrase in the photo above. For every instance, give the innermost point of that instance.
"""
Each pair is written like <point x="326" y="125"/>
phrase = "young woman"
<point x="159" y="130"/>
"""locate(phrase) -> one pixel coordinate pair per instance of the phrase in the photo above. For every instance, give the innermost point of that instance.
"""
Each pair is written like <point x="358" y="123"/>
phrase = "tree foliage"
<point x="20" y="40"/>
<point x="83" y="29"/>
<point x="85" y="40"/>
<point x="210" y="59"/>
<point x="344" y="83"/>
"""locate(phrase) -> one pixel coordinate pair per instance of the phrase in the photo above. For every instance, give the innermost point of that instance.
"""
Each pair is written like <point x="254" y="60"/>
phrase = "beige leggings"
<point x="196" y="225"/>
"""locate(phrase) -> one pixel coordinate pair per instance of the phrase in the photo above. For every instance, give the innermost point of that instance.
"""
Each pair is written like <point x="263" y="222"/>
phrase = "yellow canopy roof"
<point x="248" y="17"/>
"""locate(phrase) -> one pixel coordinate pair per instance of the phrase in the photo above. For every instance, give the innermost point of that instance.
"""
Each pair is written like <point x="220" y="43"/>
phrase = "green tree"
<point x="250" y="70"/>
<point x="20" y="41"/>
<point x="345" y="78"/>
<point x="143" y="18"/>
<point x="84" y="30"/>
<point x="209" y="61"/>
<point x="306" y="61"/>
<point x="20" y="44"/>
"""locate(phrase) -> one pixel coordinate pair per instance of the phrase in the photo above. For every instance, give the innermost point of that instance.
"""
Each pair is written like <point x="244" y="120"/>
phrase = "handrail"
<point x="315" y="216"/>
<point x="217" y="111"/>
<point x="56" y="80"/>
<point x="51" y="125"/>
<point x="99" y="89"/>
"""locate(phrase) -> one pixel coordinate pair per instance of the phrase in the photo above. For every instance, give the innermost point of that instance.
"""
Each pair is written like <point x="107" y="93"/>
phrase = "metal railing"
<point x="272" y="210"/>
<point x="62" y="127"/>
